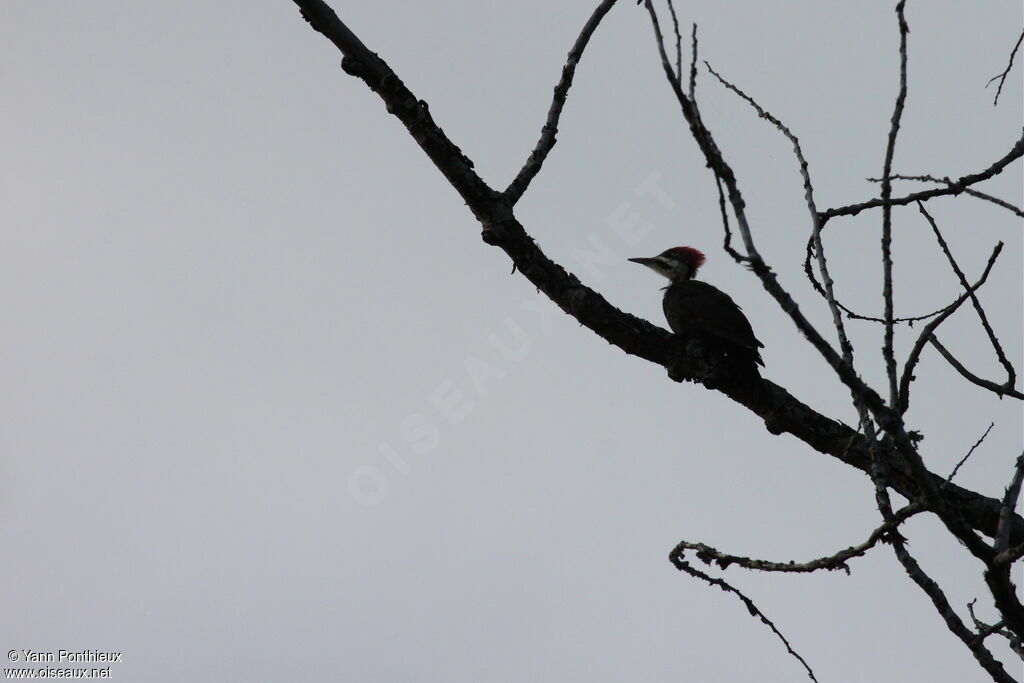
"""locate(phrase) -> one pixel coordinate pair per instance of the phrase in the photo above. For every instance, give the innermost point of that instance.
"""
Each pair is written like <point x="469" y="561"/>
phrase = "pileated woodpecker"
<point x="697" y="309"/>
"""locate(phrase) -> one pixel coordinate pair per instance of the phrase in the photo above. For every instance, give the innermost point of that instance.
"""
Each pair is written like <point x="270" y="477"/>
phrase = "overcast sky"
<point x="273" y="411"/>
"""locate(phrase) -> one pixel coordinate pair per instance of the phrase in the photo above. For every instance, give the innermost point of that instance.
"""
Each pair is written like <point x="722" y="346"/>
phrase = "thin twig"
<point x="897" y="115"/>
<point x="984" y="630"/>
<point x="851" y="314"/>
<point x="1011" y="374"/>
<point x="683" y="566"/>
<point x="549" y="132"/>
<point x="980" y="625"/>
<point x="693" y="63"/>
<point x="964" y="459"/>
<point x="679" y="41"/>
<point x="949" y="182"/>
<point x="926" y="333"/>
<point x="727" y="242"/>
<point x="1006" y="72"/>
<point x="838" y="560"/>
<point x="998" y="628"/>
<point x="998" y="389"/>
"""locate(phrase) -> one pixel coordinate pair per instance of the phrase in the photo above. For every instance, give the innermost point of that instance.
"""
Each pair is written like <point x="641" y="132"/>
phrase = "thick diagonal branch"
<point x="781" y="411"/>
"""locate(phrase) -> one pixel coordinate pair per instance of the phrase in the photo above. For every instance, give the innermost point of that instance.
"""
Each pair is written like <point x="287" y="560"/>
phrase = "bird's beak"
<point x="649" y="262"/>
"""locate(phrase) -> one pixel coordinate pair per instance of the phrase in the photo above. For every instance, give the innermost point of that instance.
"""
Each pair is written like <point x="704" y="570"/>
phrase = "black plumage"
<point x="697" y="309"/>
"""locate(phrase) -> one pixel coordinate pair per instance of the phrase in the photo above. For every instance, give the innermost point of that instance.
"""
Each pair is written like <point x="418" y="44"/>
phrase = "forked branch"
<point x="949" y="182"/>
<point x="956" y="187"/>
<point x="1006" y="72"/>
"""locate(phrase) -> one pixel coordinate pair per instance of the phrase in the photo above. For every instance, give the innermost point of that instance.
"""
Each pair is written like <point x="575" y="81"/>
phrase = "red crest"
<point x="689" y="255"/>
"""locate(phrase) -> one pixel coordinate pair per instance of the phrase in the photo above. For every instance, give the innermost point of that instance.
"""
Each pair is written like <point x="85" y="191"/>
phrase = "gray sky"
<point x="272" y="410"/>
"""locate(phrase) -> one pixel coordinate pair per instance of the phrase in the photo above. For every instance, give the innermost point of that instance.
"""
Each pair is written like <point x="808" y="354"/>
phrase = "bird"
<point x="697" y="309"/>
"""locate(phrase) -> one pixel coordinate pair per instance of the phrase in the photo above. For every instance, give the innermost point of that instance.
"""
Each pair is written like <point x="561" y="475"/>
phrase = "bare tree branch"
<point x="998" y="389"/>
<point x="985" y="630"/>
<point x="952" y="188"/>
<point x="997" y="574"/>
<point x="413" y="113"/>
<point x="549" y="132"/>
<point x="851" y="314"/>
<point x="1006" y="72"/>
<point x="926" y="333"/>
<point x="693" y="63"/>
<point x="679" y="40"/>
<point x="838" y="560"/>
<point x="1011" y="375"/>
<point x="1004" y="595"/>
<point x="897" y="115"/>
<point x="913" y="569"/>
<point x="948" y="182"/>
<point x="727" y="240"/>
<point x="682" y="565"/>
<point x="957" y="187"/>
<point x="969" y="453"/>
<point x="1009" y="503"/>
